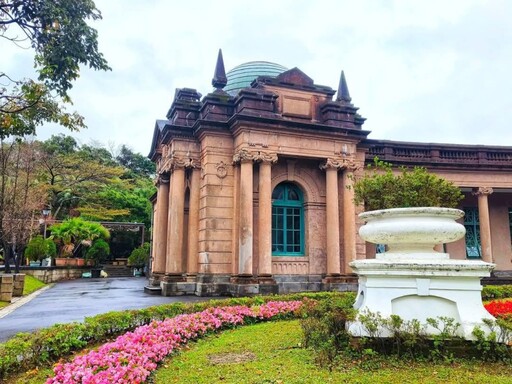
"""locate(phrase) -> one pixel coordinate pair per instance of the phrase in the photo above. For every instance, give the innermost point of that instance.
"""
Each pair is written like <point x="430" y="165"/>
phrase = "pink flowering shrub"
<point x="131" y="357"/>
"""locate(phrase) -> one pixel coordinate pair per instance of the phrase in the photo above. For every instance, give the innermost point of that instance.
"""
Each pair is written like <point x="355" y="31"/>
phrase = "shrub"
<point x="43" y="347"/>
<point x="380" y="188"/>
<point x="139" y="256"/>
<point x="39" y="248"/>
<point x="490" y="292"/>
<point x="98" y="251"/>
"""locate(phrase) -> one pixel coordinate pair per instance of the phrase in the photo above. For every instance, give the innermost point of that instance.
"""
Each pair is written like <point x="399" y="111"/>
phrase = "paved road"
<point x="76" y="299"/>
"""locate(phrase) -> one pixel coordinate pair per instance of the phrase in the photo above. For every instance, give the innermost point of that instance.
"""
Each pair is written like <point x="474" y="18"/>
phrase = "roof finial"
<point x="219" y="80"/>
<point x="343" y="94"/>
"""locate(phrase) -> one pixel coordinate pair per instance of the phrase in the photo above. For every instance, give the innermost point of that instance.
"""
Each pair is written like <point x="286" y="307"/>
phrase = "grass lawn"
<point x="31" y="285"/>
<point x="270" y="353"/>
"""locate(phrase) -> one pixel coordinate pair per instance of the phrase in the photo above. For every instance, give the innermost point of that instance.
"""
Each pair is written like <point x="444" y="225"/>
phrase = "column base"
<point x="244" y="285"/>
<point x="340" y="283"/>
<point x="268" y="285"/>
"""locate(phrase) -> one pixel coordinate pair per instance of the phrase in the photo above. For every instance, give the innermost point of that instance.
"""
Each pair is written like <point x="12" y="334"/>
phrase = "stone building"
<point x="252" y="181"/>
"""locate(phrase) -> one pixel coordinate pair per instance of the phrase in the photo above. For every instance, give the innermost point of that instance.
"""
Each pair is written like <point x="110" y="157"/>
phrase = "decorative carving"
<point x="348" y="164"/>
<point x="258" y="145"/>
<point x="222" y="170"/>
<point x="482" y="191"/>
<point x="183" y="162"/>
<point x="265" y="157"/>
<point x="243" y="155"/>
<point x="162" y="178"/>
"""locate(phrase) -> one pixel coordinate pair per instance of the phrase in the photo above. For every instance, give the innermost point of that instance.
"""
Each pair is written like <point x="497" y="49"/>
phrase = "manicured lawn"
<point x="31" y="285"/>
<point x="271" y="353"/>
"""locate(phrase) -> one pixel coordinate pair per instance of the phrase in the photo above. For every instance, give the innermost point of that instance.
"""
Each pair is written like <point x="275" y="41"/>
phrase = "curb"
<point x="18" y="302"/>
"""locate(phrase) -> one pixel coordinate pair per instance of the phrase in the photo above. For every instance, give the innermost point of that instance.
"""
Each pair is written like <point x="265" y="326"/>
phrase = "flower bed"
<point x="132" y="356"/>
<point x="500" y="308"/>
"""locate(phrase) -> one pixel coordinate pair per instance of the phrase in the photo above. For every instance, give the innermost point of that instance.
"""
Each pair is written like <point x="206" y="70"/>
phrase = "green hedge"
<point x="42" y="348"/>
<point x="492" y="292"/>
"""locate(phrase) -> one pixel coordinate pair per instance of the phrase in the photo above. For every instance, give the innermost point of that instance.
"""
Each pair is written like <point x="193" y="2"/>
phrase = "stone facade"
<point x="218" y="228"/>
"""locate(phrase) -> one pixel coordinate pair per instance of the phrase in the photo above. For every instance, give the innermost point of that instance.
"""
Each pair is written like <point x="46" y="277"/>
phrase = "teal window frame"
<point x="472" y="225"/>
<point x="287" y="221"/>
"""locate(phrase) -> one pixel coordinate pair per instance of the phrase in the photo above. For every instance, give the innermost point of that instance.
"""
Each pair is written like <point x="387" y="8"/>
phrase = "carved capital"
<point x="482" y="191"/>
<point x="265" y="157"/>
<point x="183" y="162"/>
<point x="243" y="156"/>
<point x="348" y="164"/>
<point x="162" y="178"/>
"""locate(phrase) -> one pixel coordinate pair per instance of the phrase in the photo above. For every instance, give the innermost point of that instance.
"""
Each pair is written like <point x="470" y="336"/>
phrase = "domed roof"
<point x="243" y="75"/>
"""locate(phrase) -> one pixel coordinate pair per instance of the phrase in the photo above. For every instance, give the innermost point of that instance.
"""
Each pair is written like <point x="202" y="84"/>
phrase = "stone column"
<point x="331" y="168"/>
<point x="485" y="223"/>
<point x="349" y="220"/>
<point x="265" y="213"/>
<point x="245" y="237"/>
<point x="174" y="264"/>
<point x="193" y="223"/>
<point x="160" y="224"/>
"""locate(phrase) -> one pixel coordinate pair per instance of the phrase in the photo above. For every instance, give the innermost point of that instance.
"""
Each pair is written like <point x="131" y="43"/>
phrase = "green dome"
<point x="243" y="75"/>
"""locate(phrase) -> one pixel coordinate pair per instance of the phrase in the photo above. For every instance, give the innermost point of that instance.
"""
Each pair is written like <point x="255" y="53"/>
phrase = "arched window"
<point x="287" y="221"/>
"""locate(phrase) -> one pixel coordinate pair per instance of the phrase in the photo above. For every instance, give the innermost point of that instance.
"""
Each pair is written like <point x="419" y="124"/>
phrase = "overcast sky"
<point x="430" y="71"/>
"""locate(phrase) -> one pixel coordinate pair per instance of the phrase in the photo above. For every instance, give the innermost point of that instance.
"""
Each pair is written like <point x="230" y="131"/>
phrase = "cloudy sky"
<point x="431" y="71"/>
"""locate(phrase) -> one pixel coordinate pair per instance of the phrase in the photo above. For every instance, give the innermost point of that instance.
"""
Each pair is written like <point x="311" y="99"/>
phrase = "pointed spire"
<point x="343" y="94"/>
<point x="219" y="80"/>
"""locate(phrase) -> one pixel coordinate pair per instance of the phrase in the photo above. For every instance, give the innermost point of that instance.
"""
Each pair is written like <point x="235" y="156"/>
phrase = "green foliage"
<point x="60" y="36"/>
<point x="98" y="251"/>
<point x="324" y="326"/>
<point x="39" y="248"/>
<point x="380" y="188"/>
<point x="139" y="256"/>
<point x="135" y="163"/>
<point x="491" y="292"/>
<point x="75" y="232"/>
<point x="281" y="358"/>
<point x="43" y="347"/>
<point x="62" y="40"/>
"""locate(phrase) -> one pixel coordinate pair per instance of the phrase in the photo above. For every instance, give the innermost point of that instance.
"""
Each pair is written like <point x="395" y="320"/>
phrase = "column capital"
<point x="243" y="156"/>
<point x="266" y="157"/>
<point x="339" y="163"/>
<point x="482" y="191"/>
<point x="162" y="178"/>
<point x="183" y="162"/>
<point x="246" y="156"/>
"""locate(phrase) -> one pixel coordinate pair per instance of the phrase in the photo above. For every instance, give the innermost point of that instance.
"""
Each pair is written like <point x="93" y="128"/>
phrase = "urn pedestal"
<point x="411" y="279"/>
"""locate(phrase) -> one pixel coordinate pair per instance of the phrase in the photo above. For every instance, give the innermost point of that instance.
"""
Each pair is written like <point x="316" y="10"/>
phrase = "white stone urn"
<point x="411" y="279"/>
<point x="412" y="232"/>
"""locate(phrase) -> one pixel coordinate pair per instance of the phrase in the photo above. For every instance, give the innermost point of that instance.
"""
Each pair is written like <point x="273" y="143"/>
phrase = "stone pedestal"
<point x="414" y="281"/>
<point x="422" y="289"/>
<point x="6" y="287"/>
<point x="18" y="284"/>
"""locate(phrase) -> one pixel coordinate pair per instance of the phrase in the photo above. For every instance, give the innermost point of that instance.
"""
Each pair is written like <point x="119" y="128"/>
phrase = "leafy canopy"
<point x="381" y="188"/>
<point x="62" y="40"/>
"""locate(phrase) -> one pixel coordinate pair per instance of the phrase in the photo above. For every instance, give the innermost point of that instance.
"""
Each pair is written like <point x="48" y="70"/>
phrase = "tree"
<point x="20" y="197"/>
<point x="74" y="234"/>
<point x="135" y="163"/>
<point x="59" y="33"/>
<point x="74" y="176"/>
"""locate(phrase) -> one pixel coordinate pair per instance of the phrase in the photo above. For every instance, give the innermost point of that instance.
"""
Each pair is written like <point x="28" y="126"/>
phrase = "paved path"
<point x="76" y="299"/>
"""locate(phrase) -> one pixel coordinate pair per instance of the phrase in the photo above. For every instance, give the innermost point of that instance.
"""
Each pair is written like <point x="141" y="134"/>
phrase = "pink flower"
<point x="133" y="356"/>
